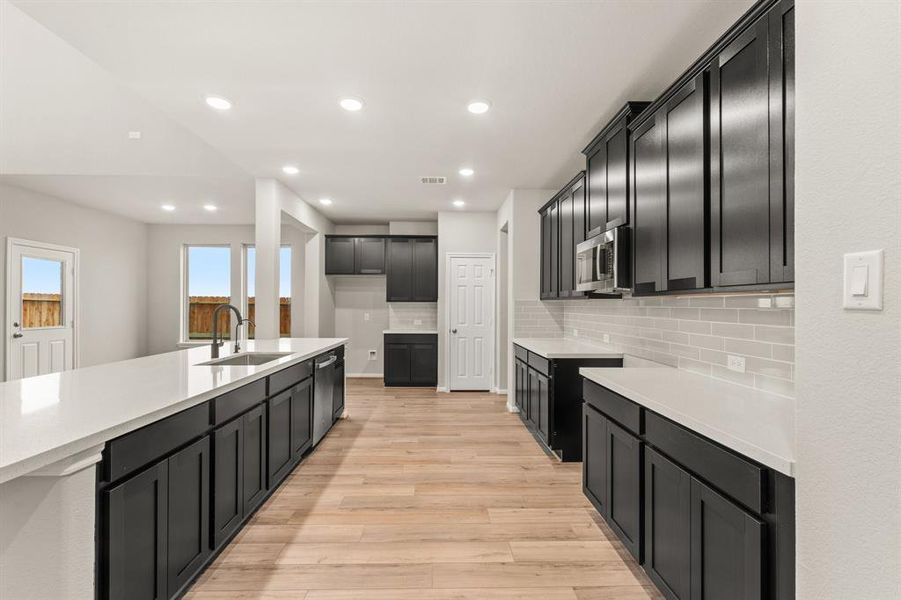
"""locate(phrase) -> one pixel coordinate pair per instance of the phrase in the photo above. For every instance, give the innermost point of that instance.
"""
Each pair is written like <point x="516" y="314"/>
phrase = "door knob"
<point x="453" y="331"/>
<point x="17" y="335"/>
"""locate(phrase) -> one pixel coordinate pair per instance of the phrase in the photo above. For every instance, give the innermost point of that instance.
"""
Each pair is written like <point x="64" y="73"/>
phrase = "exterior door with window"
<point x="40" y="309"/>
<point x="471" y="329"/>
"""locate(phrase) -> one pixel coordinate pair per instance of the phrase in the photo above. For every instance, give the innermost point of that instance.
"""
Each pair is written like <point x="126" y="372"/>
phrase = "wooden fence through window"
<point x="200" y="316"/>
<point x="41" y="310"/>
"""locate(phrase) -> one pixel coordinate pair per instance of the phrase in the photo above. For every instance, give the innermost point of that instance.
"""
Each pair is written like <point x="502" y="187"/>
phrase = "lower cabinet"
<point x="158" y="526"/>
<point x="255" y="482"/>
<point x="539" y="404"/>
<point x="667" y="525"/>
<point x="279" y="432"/>
<point x="521" y="391"/>
<point x="411" y="359"/>
<point x="302" y="417"/>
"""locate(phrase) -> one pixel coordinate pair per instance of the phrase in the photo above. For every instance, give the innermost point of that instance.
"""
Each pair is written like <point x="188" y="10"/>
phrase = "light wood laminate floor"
<point x="419" y="495"/>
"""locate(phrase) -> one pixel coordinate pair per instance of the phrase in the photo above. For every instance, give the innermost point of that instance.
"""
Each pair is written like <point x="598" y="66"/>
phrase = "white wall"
<point x="113" y="258"/>
<point x="459" y="232"/>
<point x="848" y="177"/>
<point x="413" y="227"/>
<point x="357" y="297"/>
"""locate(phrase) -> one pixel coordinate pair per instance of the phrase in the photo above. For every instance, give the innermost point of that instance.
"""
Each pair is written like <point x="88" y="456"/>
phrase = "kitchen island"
<point x="71" y="443"/>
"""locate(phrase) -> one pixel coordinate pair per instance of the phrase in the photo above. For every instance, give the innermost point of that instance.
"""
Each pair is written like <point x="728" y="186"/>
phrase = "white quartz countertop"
<point x="409" y="331"/>
<point x="751" y="422"/>
<point x="566" y="348"/>
<point x="51" y="417"/>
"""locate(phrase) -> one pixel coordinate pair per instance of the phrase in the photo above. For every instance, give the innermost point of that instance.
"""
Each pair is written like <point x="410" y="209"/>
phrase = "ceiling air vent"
<point x="433" y="180"/>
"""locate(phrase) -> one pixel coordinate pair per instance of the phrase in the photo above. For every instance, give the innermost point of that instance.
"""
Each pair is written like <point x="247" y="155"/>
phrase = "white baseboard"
<point x="443" y="388"/>
<point x="500" y="391"/>
<point x="366" y="375"/>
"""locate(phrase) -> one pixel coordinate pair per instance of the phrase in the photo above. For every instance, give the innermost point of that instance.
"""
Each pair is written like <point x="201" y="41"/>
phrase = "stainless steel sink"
<point x="245" y="359"/>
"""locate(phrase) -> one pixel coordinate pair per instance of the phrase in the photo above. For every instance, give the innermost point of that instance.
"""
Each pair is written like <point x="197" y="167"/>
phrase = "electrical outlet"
<point x="606" y="338"/>
<point x="365" y="316"/>
<point x="417" y="321"/>
<point x="575" y="333"/>
<point x="736" y="363"/>
<point x="372" y="355"/>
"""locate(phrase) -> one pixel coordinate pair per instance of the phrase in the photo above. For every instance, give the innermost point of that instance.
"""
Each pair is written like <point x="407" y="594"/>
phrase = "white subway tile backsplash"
<point x="695" y="333"/>
<point x="413" y="315"/>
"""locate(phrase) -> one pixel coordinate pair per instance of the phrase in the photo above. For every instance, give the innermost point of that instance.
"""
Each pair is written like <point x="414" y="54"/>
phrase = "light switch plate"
<point x="417" y="321"/>
<point x="606" y="338"/>
<point x="862" y="289"/>
<point x="735" y="363"/>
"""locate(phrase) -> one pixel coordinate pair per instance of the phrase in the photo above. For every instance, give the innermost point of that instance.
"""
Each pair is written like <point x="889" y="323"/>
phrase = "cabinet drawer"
<point x="138" y="448"/>
<point x="289" y="377"/>
<point x="623" y="411"/>
<point x="237" y="401"/>
<point x="539" y="363"/>
<point x="739" y="478"/>
<point x="521" y="353"/>
<point x="411" y="338"/>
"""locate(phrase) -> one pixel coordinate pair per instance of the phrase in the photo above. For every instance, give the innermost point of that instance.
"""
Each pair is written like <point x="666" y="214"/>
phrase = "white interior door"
<point x="471" y="323"/>
<point x="40" y="309"/>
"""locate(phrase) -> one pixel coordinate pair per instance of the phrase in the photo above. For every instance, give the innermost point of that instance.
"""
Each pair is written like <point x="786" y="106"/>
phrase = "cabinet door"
<point x="596" y="197"/>
<point x="397" y="364"/>
<point x="567" y="245"/>
<point x="279" y="435"/>
<point x="522" y="390"/>
<point x="726" y="548"/>
<point x="579" y="215"/>
<point x="189" y="514"/>
<point x="594" y="457"/>
<point x="369" y="256"/>
<point x="624" y="494"/>
<point x="739" y="161"/>
<point x="686" y="238"/>
<point x="554" y="260"/>
<point x="339" y="256"/>
<point x="400" y="270"/>
<point x="545" y="256"/>
<point x="424" y="363"/>
<point x="338" y="392"/>
<point x="544" y="408"/>
<point x="425" y="270"/>
<point x="301" y="417"/>
<point x="534" y="402"/>
<point x="254" y="484"/>
<point x="137" y="512"/>
<point x="782" y="141"/>
<point x="617" y="176"/>
<point x="649" y="206"/>
<point x="667" y="525"/>
<point x="228" y="479"/>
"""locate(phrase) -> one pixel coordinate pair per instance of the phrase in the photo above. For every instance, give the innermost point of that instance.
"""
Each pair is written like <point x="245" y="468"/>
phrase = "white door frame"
<point x="447" y="313"/>
<point x="10" y="301"/>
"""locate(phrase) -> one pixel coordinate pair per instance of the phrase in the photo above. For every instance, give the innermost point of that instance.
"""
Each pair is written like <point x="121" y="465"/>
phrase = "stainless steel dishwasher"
<point x="323" y="394"/>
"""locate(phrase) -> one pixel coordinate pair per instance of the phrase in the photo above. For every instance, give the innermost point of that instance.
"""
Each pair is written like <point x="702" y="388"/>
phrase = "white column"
<point x="268" y="239"/>
<point x="47" y="531"/>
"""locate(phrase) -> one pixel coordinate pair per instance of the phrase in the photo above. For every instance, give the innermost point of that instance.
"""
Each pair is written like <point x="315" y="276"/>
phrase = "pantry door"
<point x="40" y="307"/>
<point x="470" y="322"/>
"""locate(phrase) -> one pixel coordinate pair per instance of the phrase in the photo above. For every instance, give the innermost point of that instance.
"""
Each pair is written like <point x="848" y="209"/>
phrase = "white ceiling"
<point x="553" y="71"/>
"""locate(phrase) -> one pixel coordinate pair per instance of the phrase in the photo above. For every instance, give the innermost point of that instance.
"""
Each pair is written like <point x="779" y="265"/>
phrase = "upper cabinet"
<point x="607" y="173"/>
<point x="351" y="255"/>
<point x="571" y="207"/>
<point x="712" y="166"/>
<point x="550" y="249"/>
<point x="412" y="265"/>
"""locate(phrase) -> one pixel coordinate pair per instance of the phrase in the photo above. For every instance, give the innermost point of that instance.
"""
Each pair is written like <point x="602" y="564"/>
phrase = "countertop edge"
<point x="30" y="464"/>
<point x="779" y="463"/>
<point x="532" y="345"/>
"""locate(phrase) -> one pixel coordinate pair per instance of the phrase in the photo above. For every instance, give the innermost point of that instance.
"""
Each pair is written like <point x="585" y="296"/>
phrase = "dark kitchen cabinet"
<point x="279" y="434"/>
<point x="411" y="359"/>
<point x="228" y="480"/>
<point x="594" y="458"/>
<point x="188" y="514"/>
<point x="521" y="381"/>
<point x="649" y="205"/>
<point x="726" y="548"/>
<point x="539" y="403"/>
<point x="685" y="143"/>
<point x="607" y="173"/>
<point x="572" y="232"/>
<point x="352" y="255"/>
<point x="137" y="536"/>
<point x="624" y="483"/>
<point x="667" y="496"/>
<point x="253" y="452"/>
<point x="412" y="269"/>
<point x="550" y="250"/>
<point x="302" y="417"/>
<point x="752" y="154"/>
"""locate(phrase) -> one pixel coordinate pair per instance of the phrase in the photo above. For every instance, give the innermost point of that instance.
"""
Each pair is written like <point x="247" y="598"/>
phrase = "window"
<point x="42" y="293"/>
<point x="284" y="289"/>
<point x="208" y="283"/>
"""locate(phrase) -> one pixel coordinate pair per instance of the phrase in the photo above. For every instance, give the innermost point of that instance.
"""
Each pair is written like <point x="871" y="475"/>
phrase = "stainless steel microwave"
<point x="602" y="263"/>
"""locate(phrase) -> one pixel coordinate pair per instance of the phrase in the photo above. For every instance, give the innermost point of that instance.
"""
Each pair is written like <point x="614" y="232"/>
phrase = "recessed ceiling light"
<point x="168" y="207"/>
<point x="478" y="107"/>
<point x="351" y="104"/>
<point x="218" y="102"/>
<point x="325" y="201"/>
<point x="210" y="207"/>
<point x="466" y="172"/>
<point x="290" y="170"/>
<point x="459" y="203"/>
